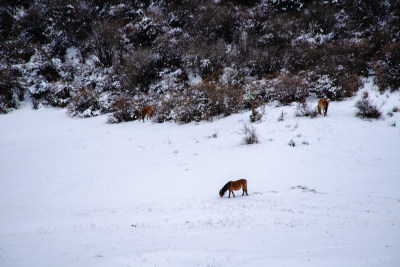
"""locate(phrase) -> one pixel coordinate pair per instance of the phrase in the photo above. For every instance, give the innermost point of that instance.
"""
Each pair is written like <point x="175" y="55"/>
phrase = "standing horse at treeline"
<point x="234" y="186"/>
<point x="146" y="111"/>
<point x="323" y="105"/>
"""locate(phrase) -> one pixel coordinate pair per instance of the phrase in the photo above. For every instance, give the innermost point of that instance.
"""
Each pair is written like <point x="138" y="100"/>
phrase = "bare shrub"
<point x="249" y="135"/>
<point x="304" y="110"/>
<point x="367" y="110"/>
<point x="388" y="70"/>
<point x="290" y="89"/>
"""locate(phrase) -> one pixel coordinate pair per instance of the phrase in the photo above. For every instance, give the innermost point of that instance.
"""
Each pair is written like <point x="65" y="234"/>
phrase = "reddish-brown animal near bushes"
<point x="147" y="111"/>
<point x="234" y="186"/>
<point x="323" y="105"/>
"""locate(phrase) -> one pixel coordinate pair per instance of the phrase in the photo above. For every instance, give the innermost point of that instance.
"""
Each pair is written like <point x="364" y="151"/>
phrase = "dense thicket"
<point x="192" y="59"/>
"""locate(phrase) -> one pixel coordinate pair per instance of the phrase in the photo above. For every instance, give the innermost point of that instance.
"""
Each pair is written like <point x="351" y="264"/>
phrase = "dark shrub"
<point x="208" y="99"/>
<point x="347" y="85"/>
<point x="143" y="33"/>
<point x="138" y="71"/>
<point x="367" y="110"/>
<point x="11" y="91"/>
<point x="388" y="69"/>
<point x="107" y="43"/>
<point x="49" y="72"/>
<point x="290" y="89"/>
<point x="301" y="56"/>
<point x="124" y="109"/>
<point x="33" y="25"/>
<point x="60" y="98"/>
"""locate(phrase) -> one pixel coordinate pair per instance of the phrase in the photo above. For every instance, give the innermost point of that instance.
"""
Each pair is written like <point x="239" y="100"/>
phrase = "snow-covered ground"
<point x="81" y="192"/>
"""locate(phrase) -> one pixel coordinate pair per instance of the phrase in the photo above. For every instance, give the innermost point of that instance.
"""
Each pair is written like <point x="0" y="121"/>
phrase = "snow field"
<point x="80" y="192"/>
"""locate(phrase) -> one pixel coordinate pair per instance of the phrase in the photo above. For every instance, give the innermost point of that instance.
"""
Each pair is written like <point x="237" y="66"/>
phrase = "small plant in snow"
<point x="281" y="117"/>
<point x="214" y="135"/>
<point x="249" y="135"/>
<point x="292" y="143"/>
<point x="304" y="110"/>
<point x="255" y="115"/>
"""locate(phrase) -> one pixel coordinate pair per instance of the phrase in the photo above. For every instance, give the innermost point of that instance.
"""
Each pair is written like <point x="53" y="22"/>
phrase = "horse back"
<point x="147" y="110"/>
<point x="239" y="184"/>
<point x="323" y="103"/>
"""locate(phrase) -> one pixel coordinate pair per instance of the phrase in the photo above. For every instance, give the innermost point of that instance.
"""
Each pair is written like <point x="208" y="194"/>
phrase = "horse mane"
<point x="225" y="188"/>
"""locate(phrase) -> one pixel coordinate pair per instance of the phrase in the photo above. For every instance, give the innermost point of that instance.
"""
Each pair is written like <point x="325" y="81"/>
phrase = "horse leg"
<point x="229" y="193"/>
<point x="233" y="194"/>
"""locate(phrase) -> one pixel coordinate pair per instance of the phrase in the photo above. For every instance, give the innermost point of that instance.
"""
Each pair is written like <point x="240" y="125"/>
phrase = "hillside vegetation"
<point x="192" y="59"/>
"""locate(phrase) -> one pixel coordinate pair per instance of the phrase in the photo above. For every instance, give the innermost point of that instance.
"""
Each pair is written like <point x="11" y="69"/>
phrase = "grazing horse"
<point x="323" y="104"/>
<point x="147" y="111"/>
<point x="236" y="185"/>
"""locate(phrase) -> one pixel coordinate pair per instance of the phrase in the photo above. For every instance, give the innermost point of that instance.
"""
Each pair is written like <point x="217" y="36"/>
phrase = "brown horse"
<point x="323" y="104"/>
<point x="236" y="185"/>
<point x="147" y="111"/>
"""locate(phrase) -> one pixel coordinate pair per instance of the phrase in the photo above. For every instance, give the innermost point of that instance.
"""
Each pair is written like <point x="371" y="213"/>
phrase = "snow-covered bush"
<point x="85" y="103"/>
<point x="164" y="48"/>
<point x="200" y="102"/>
<point x="143" y="32"/>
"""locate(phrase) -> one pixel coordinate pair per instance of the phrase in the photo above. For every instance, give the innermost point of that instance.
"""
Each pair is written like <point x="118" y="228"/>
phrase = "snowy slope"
<point x="81" y="192"/>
